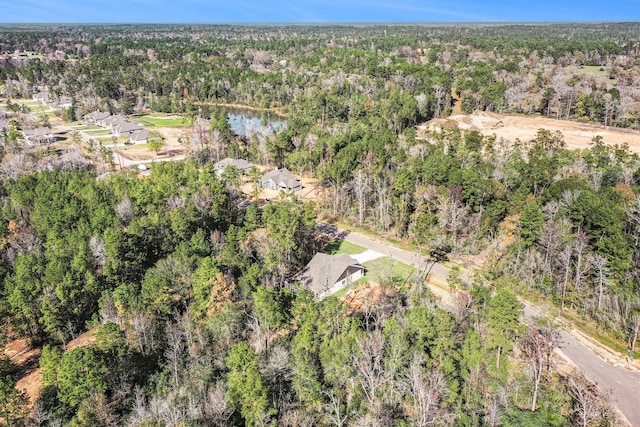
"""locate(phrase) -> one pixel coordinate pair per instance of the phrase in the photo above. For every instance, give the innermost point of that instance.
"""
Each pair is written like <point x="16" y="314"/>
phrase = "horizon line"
<point x="311" y="23"/>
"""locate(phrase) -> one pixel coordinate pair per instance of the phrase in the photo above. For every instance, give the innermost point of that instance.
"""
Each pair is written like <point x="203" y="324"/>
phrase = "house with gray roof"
<point x="125" y="128"/>
<point x="281" y="179"/>
<point x="326" y="274"/>
<point x="40" y="135"/>
<point x="42" y="97"/>
<point x="241" y="164"/>
<point x="63" y="103"/>
<point x="96" y="116"/>
<point x="139" y="136"/>
<point x="111" y="121"/>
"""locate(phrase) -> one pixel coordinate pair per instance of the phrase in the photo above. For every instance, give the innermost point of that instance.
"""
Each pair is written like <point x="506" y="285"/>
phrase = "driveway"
<point x="367" y="255"/>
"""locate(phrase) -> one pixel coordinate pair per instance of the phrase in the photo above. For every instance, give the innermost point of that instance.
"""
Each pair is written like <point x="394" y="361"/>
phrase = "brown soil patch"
<point x="27" y="359"/>
<point x="172" y="149"/>
<point x="310" y="189"/>
<point x="576" y="135"/>
<point x="369" y="294"/>
<point x="84" y="340"/>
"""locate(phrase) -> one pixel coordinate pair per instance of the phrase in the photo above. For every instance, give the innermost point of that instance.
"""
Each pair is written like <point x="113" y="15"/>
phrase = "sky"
<point x="315" y="11"/>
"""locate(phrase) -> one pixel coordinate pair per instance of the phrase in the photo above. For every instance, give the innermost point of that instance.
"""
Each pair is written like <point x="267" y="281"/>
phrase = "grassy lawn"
<point x="98" y="132"/>
<point x="593" y="69"/>
<point x="162" y="121"/>
<point x="382" y="269"/>
<point x="86" y="127"/>
<point x="379" y="271"/>
<point x="339" y="246"/>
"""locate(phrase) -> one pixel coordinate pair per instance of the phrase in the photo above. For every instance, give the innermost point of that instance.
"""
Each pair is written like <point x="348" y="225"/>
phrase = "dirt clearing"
<point x="576" y="135"/>
<point x="27" y="360"/>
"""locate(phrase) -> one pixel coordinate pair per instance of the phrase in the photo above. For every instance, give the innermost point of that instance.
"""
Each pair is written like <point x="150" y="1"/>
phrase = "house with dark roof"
<point x="281" y="179"/>
<point x="40" y="135"/>
<point x="241" y="164"/>
<point x="326" y="274"/>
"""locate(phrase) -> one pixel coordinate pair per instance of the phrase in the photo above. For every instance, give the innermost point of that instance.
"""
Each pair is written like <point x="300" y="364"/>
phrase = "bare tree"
<point x="218" y="143"/>
<point x="361" y="189"/>
<point x="580" y="244"/>
<point x="609" y="108"/>
<point x="452" y="214"/>
<point x="334" y="411"/>
<point x="368" y="364"/>
<point x="565" y="261"/>
<point x="589" y="404"/>
<point x="427" y="392"/>
<point x="175" y="350"/>
<point x="439" y="93"/>
<point x="216" y="408"/>
<point x="96" y="244"/>
<point x="124" y="210"/>
<point x="39" y="416"/>
<point x="384" y="202"/>
<point x="549" y="240"/>
<point x="422" y="102"/>
<point x="537" y="345"/>
<point x="600" y="265"/>
<point x="202" y="200"/>
<point x="635" y="328"/>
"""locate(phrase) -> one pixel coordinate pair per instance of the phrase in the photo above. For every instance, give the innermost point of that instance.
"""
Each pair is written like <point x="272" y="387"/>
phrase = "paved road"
<point x="624" y="385"/>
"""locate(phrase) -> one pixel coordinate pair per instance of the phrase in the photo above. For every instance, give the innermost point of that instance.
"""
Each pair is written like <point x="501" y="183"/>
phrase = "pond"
<point x="246" y="122"/>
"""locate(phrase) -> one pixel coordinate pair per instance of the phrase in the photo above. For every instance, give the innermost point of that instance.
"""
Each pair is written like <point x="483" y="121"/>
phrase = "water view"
<point x="246" y="122"/>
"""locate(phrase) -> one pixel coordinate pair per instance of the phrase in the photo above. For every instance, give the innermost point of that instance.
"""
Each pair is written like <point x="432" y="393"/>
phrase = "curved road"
<point x="624" y="385"/>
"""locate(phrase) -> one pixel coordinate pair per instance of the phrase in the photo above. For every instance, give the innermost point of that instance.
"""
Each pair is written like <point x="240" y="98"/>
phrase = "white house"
<point x="281" y="179"/>
<point x="38" y="135"/>
<point x="96" y="116"/>
<point x="241" y="164"/>
<point x="139" y="136"/>
<point x="125" y="128"/>
<point x="326" y="274"/>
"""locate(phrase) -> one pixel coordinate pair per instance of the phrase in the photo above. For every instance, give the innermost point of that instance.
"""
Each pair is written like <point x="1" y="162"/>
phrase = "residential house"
<point x="139" y="136"/>
<point x="281" y="179"/>
<point x="125" y="128"/>
<point x="241" y="164"/>
<point x="110" y="121"/>
<point x="96" y="116"/>
<point x="326" y="274"/>
<point x="42" y="97"/>
<point x="40" y="135"/>
<point x="63" y="103"/>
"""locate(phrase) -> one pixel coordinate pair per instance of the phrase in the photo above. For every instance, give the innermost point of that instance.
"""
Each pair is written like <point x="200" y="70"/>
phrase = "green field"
<point x="385" y="269"/>
<point x="154" y="120"/>
<point x="339" y="246"/>
<point x="593" y="69"/>
<point x="98" y="132"/>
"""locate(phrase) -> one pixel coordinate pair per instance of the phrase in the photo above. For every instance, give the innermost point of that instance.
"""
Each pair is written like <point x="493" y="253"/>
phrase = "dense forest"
<point x="189" y="292"/>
